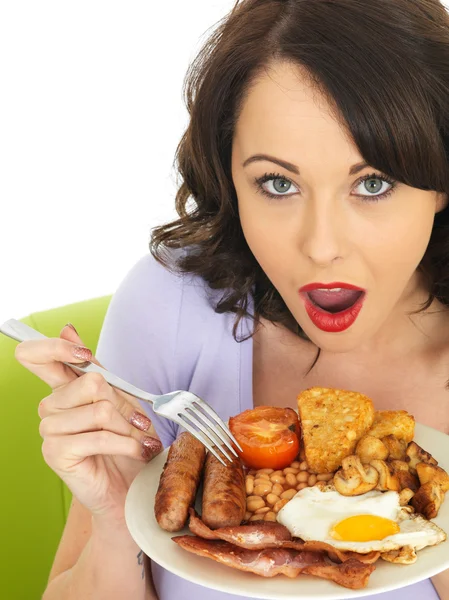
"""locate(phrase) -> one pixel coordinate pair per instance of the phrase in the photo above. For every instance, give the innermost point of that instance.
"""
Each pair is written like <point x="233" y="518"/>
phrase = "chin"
<point x="337" y="343"/>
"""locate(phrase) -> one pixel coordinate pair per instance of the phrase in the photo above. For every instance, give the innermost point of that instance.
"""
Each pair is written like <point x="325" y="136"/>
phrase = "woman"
<point x="310" y="249"/>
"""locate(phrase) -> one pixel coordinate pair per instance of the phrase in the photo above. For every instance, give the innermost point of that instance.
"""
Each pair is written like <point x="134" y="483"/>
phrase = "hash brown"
<point x="332" y="422"/>
<point x="393" y="422"/>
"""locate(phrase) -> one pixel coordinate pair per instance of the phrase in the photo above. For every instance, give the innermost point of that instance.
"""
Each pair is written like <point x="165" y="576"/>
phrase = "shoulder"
<point x="151" y="289"/>
<point x="149" y="278"/>
<point x="162" y="333"/>
<point x="156" y="313"/>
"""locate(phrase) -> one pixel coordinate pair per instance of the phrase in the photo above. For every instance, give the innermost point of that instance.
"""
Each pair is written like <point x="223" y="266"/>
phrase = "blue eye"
<point x="279" y="186"/>
<point x="372" y="186"/>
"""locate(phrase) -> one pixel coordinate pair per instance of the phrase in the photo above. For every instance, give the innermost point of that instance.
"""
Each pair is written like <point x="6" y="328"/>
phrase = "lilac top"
<point x="161" y="333"/>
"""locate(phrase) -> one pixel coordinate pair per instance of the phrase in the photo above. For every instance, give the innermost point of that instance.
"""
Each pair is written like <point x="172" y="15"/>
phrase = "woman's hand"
<point x="95" y="437"/>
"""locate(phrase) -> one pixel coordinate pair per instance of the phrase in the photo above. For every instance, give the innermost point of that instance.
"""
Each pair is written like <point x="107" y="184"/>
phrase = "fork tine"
<point x="199" y="436"/>
<point x="211" y="428"/>
<point x="210" y="411"/>
<point x="200" y="421"/>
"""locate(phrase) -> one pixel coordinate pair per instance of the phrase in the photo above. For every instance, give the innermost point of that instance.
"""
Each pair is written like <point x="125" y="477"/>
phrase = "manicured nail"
<point x="72" y="326"/>
<point x="140" y="421"/>
<point x="82" y="353"/>
<point x="151" y="447"/>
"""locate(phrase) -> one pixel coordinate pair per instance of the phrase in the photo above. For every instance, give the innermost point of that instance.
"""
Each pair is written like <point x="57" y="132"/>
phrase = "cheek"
<point x="268" y="239"/>
<point x="400" y="244"/>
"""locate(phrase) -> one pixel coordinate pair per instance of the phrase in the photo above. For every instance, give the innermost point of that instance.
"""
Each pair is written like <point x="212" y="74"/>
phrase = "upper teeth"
<point x="329" y="289"/>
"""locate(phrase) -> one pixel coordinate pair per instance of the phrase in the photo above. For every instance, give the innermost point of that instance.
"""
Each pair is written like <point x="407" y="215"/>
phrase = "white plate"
<point x="157" y="544"/>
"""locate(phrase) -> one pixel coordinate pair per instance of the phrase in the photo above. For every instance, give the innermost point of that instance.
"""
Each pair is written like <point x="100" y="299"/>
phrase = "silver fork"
<point x="185" y="408"/>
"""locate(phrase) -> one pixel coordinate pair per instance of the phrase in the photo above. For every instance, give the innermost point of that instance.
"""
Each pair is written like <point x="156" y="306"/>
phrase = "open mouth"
<point x="334" y="300"/>
<point x="332" y="307"/>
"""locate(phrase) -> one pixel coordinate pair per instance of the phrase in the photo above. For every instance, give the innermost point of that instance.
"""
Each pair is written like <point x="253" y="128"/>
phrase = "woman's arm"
<point x="137" y="342"/>
<point x="97" y="560"/>
<point x="441" y="584"/>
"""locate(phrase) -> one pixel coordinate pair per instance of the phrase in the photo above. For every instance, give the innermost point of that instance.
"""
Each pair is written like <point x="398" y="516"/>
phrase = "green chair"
<point x="34" y="501"/>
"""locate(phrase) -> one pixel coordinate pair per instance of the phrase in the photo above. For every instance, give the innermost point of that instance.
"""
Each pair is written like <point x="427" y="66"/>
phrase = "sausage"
<point x="179" y="482"/>
<point x="224" y="495"/>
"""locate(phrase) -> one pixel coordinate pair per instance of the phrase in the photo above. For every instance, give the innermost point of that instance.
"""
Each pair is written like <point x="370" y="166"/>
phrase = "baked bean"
<point x="256" y="518"/>
<point x="270" y="516"/>
<point x="288" y="494"/>
<point x="264" y="489"/>
<point x="249" y="484"/>
<point x="272" y="499"/>
<point x="324" y="476"/>
<point x="301" y="486"/>
<point x="253" y="505"/>
<point x="303" y="466"/>
<point x="247" y="515"/>
<point x="277" y="479"/>
<point x="290" y="479"/>
<point x="262" y="476"/>
<point x="290" y="470"/>
<point x="295" y="464"/>
<point x="267" y="471"/>
<point x="258" y="481"/>
<point x="261" y="511"/>
<point x="312" y="480"/>
<point x="277" y="489"/>
<point x="302" y="476"/>
<point x="277" y="507"/>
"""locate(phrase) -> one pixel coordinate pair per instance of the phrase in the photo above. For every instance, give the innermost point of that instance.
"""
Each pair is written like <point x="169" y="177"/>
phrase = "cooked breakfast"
<point x="328" y="494"/>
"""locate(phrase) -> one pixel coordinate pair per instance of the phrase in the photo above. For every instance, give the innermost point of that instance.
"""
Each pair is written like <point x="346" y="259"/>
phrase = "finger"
<point x="89" y="417"/>
<point x="44" y="359"/>
<point x="69" y="333"/>
<point x="61" y="452"/>
<point x="95" y="417"/>
<point x="89" y="389"/>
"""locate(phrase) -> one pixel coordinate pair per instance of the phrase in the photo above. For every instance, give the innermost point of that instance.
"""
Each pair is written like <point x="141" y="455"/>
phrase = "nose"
<point x="322" y="237"/>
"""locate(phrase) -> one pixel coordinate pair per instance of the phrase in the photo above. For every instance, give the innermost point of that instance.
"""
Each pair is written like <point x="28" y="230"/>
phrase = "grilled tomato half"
<point x="269" y="436"/>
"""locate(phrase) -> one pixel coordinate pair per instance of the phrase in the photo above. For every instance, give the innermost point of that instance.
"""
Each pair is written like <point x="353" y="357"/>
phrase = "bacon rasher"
<point x="261" y="535"/>
<point x="268" y="563"/>
<point x="351" y="574"/>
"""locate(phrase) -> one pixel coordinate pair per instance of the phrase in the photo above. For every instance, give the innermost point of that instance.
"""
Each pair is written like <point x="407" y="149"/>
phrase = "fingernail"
<point x="82" y="353"/>
<point x="72" y="326"/>
<point x="151" y="447"/>
<point x="140" y="421"/>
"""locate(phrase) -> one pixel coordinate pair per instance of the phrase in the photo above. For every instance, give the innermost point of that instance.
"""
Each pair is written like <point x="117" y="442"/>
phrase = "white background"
<point x="91" y="112"/>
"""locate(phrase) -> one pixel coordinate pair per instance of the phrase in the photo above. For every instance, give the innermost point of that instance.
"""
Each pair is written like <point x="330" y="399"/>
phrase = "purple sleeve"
<point x="138" y="338"/>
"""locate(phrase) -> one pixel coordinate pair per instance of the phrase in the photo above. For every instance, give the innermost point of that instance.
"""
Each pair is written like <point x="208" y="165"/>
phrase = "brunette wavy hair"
<point x="384" y="67"/>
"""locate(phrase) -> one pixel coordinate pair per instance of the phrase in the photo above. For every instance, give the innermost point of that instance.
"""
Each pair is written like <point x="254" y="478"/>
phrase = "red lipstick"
<point x="332" y="307"/>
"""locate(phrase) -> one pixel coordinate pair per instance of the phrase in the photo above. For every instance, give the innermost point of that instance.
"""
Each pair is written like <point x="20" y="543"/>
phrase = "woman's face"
<point x="321" y="225"/>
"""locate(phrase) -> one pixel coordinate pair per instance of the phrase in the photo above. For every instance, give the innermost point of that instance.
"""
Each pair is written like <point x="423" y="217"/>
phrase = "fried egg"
<point x="374" y="521"/>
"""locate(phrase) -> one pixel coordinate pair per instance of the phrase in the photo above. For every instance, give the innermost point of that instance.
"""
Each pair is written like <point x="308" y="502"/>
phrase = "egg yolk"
<point x="364" y="528"/>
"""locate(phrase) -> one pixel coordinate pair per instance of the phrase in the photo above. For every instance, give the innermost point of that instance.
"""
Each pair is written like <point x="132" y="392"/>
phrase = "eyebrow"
<point x="293" y="168"/>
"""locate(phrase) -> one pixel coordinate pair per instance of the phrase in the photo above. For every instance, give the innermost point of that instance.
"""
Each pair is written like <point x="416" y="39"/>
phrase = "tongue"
<point x="334" y="301"/>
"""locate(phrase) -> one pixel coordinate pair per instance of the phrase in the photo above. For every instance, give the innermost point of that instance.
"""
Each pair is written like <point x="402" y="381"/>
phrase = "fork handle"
<point x="21" y="332"/>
